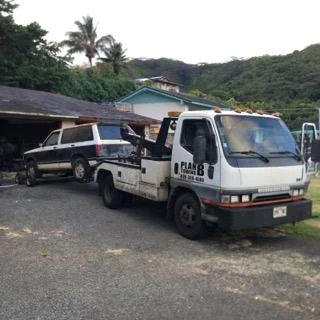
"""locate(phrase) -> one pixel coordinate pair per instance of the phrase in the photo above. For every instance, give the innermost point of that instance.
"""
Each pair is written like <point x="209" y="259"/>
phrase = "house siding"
<point x="158" y="110"/>
<point x="65" y="123"/>
<point x="156" y="103"/>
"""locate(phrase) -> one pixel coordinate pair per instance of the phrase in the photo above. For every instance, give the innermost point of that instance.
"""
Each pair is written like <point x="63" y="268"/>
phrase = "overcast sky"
<point x="192" y="31"/>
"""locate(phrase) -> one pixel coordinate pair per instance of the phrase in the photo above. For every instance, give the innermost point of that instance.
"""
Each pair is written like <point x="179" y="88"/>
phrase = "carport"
<point x="28" y="116"/>
<point x="25" y="133"/>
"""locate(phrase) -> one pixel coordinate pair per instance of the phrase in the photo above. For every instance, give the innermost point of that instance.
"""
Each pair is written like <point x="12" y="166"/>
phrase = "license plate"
<point x="279" y="212"/>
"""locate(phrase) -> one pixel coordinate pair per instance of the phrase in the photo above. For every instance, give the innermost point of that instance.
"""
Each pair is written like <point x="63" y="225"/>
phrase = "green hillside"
<point x="269" y="78"/>
<point x="176" y="71"/>
<point x="289" y="84"/>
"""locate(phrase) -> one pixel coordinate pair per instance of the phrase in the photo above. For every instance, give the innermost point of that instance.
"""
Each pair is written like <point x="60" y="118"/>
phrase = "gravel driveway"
<point x="63" y="255"/>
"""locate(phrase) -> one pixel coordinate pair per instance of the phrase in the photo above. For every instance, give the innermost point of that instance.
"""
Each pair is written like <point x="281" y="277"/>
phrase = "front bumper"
<point x="257" y="217"/>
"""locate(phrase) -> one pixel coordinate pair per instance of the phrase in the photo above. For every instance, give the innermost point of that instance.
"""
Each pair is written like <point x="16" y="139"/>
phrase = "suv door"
<point x="47" y="154"/>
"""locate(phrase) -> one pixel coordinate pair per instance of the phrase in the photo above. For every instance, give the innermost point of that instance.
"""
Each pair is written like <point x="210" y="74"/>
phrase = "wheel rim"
<point x="31" y="173"/>
<point x="31" y="176"/>
<point x="79" y="170"/>
<point x="187" y="216"/>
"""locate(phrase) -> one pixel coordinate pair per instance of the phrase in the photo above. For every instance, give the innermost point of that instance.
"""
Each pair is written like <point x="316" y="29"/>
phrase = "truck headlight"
<point x="245" y="198"/>
<point x="295" y="192"/>
<point x="234" y="199"/>
<point x="225" y="198"/>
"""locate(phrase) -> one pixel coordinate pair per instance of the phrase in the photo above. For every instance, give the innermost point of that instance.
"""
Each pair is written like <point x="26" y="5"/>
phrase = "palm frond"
<point x="85" y="39"/>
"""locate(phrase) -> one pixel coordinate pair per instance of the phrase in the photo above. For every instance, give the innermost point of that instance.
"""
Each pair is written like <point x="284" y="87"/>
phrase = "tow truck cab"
<point x="245" y="168"/>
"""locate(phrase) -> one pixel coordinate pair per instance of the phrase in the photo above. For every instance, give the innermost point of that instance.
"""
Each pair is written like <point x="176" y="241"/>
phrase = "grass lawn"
<point x="309" y="228"/>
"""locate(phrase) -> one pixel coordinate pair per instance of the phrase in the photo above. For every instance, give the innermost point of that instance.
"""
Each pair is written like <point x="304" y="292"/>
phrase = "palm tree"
<point x="116" y="56"/>
<point x="85" y="40"/>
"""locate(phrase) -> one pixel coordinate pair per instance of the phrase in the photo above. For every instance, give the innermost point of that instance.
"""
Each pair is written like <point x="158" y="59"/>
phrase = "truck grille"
<point x="272" y="197"/>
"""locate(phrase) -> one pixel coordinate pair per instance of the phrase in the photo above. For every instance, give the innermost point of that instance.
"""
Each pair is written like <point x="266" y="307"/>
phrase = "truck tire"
<point x="81" y="170"/>
<point x="112" y="198"/>
<point x="187" y="217"/>
<point x="32" y="174"/>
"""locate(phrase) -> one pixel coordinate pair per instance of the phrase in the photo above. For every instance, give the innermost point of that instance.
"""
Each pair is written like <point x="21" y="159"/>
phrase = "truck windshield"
<point x="255" y="137"/>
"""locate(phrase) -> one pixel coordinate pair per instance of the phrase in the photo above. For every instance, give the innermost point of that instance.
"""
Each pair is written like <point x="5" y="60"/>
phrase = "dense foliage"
<point x="89" y="85"/>
<point x="115" y="55"/>
<point x="176" y="71"/>
<point x="28" y="60"/>
<point x="269" y="78"/>
<point x="289" y="84"/>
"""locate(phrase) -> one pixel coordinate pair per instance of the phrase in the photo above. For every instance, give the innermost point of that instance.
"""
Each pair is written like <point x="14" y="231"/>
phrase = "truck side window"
<point x="189" y="131"/>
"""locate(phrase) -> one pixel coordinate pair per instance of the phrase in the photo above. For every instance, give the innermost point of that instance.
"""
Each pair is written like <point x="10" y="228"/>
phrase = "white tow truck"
<point x="230" y="169"/>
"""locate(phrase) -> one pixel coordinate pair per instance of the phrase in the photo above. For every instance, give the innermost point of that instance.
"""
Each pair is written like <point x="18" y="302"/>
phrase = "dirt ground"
<point x="65" y="256"/>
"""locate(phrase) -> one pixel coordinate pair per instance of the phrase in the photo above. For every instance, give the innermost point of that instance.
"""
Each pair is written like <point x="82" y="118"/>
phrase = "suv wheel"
<point x="81" y="170"/>
<point x="32" y="173"/>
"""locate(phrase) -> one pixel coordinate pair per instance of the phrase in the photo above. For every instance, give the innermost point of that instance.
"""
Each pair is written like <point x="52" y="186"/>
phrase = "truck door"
<point x="308" y="134"/>
<point x="205" y="177"/>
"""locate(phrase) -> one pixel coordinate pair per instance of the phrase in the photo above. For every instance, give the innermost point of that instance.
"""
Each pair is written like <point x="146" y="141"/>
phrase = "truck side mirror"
<point x="212" y="150"/>
<point x="315" y="151"/>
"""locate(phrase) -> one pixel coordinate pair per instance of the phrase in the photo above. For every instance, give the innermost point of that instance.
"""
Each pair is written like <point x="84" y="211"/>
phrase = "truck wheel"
<point x="127" y="199"/>
<point x="32" y="174"/>
<point x="112" y="198"/>
<point x="81" y="170"/>
<point x="187" y="217"/>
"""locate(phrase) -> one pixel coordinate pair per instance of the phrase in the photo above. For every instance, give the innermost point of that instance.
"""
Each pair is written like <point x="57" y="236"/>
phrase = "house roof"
<point x="21" y="102"/>
<point x="181" y="97"/>
<point x="160" y="79"/>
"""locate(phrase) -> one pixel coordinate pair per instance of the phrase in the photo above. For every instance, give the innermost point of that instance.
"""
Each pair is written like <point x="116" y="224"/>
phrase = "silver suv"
<point x="76" y="150"/>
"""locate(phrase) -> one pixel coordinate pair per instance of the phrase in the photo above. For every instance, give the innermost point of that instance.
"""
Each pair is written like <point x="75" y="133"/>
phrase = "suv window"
<point x="52" y="139"/>
<point x="77" y="134"/>
<point x="109" y="132"/>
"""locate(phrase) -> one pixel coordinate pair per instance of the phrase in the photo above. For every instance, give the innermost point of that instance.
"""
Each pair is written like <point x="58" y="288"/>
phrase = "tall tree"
<point x="7" y="6"/>
<point x="85" y="39"/>
<point x="116" y="56"/>
<point x="27" y="60"/>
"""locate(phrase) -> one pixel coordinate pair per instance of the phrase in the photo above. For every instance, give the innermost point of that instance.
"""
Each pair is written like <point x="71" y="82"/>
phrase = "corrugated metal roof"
<point x="22" y="102"/>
